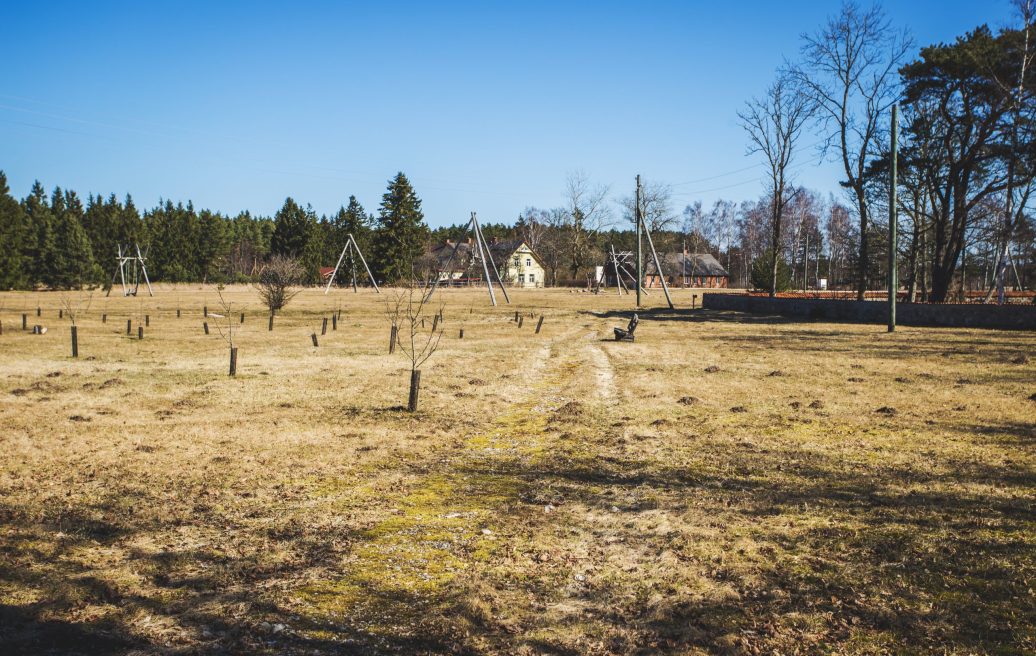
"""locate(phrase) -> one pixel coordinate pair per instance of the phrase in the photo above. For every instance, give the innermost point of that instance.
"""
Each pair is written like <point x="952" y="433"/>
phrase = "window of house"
<point x="517" y="261"/>
<point x="532" y="277"/>
<point x="528" y="261"/>
<point x="521" y="277"/>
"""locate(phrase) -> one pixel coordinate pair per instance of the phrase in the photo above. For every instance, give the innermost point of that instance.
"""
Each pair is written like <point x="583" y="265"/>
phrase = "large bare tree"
<point x="587" y="214"/>
<point x="849" y="70"/>
<point x="774" y="124"/>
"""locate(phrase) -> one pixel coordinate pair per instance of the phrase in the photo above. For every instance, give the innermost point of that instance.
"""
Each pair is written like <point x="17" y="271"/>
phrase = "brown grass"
<point x="718" y="485"/>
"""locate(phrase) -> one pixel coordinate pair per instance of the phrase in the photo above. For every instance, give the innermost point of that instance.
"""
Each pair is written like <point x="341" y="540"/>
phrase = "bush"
<point x="276" y="281"/>
<point x="762" y="273"/>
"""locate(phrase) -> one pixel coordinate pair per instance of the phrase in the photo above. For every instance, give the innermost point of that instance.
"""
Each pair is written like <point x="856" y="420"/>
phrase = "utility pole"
<point x="893" y="218"/>
<point x="640" y="260"/>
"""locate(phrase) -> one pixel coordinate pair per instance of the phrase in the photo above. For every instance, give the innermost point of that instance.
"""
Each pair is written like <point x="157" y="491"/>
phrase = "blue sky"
<point x="485" y="106"/>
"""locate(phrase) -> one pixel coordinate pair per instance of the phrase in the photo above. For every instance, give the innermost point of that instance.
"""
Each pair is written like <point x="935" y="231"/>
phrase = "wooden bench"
<point x="627" y="335"/>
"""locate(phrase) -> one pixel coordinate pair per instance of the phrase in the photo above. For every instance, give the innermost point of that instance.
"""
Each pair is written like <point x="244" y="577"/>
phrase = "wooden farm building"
<point x="519" y="265"/>
<point x="680" y="269"/>
<point x="687" y="270"/>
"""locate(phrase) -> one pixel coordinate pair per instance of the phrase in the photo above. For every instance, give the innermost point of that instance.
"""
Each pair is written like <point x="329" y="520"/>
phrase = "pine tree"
<point x="72" y="259"/>
<point x="401" y="233"/>
<point x="297" y="235"/>
<point x="13" y="234"/>
<point x="40" y="240"/>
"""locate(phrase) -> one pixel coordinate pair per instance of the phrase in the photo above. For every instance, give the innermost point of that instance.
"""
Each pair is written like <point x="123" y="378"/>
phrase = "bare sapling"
<point x="225" y="326"/>
<point x="73" y="309"/>
<point x="406" y="312"/>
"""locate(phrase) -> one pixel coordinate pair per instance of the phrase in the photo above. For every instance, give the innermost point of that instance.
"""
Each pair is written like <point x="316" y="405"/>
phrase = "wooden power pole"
<point x="893" y="218"/>
<point x="640" y="258"/>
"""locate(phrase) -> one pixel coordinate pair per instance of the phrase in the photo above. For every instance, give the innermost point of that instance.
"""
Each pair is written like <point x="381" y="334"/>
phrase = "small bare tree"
<point x="406" y="310"/>
<point x="74" y="308"/>
<point x="225" y="327"/>
<point x="774" y="124"/>
<point x="277" y="281"/>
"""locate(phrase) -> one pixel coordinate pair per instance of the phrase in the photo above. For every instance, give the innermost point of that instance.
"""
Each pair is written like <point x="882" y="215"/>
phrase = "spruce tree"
<point x="72" y="260"/>
<point x="401" y="234"/>
<point x="40" y="240"/>
<point x="13" y="234"/>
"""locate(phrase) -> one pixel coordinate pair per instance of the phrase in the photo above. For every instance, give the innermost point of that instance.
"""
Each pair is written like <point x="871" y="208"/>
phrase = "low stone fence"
<point x="1012" y="317"/>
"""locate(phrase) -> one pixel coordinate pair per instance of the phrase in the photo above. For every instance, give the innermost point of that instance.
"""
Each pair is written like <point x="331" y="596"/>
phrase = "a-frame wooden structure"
<point x="481" y="251"/>
<point x="350" y="246"/>
<point x="138" y="268"/>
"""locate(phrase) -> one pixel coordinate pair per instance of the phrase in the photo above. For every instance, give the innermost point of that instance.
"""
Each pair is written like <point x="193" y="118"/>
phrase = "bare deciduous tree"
<point x="849" y="71"/>
<point x="587" y="215"/>
<point x="277" y="280"/>
<point x="774" y="124"/>
<point x="407" y="309"/>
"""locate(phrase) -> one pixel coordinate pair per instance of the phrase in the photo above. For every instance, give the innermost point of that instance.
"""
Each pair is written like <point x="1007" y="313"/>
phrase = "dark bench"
<point x="627" y="334"/>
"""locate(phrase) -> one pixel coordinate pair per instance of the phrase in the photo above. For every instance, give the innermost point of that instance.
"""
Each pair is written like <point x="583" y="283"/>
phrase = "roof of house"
<point x="688" y="265"/>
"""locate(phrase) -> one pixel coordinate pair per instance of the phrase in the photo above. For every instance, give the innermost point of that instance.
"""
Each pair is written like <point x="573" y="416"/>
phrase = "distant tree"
<point x="40" y="241"/>
<point x="763" y="268"/>
<point x="71" y="263"/>
<point x="352" y="220"/>
<point x="13" y="235"/>
<point x="774" y="124"/>
<point x="848" y="70"/>
<point x="587" y="214"/>
<point x="277" y="281"/>
<point x="401" y="234"/>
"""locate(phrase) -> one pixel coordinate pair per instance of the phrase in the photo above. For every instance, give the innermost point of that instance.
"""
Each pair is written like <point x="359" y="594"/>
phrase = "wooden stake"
<point x="25" y="320"/>
<point x="539" y="324"/>
<point x="147" y="320"/>
<point x="334" y="321"/>
<point x="233" y="361"/>
<point x="314" y="336"/>
<point x="323" y="327"/>
<point x="75" y="343"/>
<point x="205" y="325"/>
<point x="177" y="313"/>
<point x="104" y="318"/>
<point x="38" y="311"/>
<point x="129" y="326"/>
<point x="415" y="389"/>
<point x="461" y="333"/>
<point x="393" y="334"/>
<point x="521" y="320"/>
<point x="242" y="317"/>
<point x="61" y="314"/>
<point x="205" y="311"/>
<point x="271" y="322"/>
<point x="516" y="315"/>
<point x="140" y="332"/>
<point x="435" y="323"/>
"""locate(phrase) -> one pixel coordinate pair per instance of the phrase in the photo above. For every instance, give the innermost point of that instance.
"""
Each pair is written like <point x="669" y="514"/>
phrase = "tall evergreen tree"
<point x="401" y="234"/>
<point x="13" y="234"/>
<point x="40" y="240"/>
<point x="72" y="260"/>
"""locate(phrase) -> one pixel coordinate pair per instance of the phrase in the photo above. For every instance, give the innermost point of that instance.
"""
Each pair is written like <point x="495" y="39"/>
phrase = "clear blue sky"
<point x="486" y="106"/>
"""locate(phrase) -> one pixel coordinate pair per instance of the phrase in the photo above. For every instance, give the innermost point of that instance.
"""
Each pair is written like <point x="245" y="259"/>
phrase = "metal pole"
<point x="640" y="262"/>
<point x="893" y="219"/>
<point x="335" y="272"/>
<point x="370" y="275"/>
<point x="658" y="267"/>
<point x="492" y="263"/>
<point x="482" y="256"/>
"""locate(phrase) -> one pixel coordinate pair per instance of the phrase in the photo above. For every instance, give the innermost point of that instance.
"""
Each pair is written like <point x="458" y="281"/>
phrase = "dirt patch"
<point x="887" y="410"/>
<point x="775" y="374"/>
<point x="795" y="405"/>
<point x="1020" y="359"/>
<point x="78" y="418"/>
<point x="817" y="404"/>
<point x="571" y="411"/>
<point x="711" y="369"/>
<point x="854" y="379"/>
<point x="19" y="391"/>
<point x="476" y="381"/>
<point x="688" y="400"/>
<point x="739" y="409"/>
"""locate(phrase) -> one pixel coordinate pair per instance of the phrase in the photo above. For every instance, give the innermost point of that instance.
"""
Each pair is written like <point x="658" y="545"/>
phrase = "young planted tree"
<point x="225" y="326"/>
<point x="277" y="282"/>
<point x="774" y="124"/>
<point x="74" y="308"/>
<point x="407" y="310"/>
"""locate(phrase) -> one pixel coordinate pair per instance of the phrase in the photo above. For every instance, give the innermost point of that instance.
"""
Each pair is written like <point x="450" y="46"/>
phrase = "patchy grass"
<point x="725" y="483"/>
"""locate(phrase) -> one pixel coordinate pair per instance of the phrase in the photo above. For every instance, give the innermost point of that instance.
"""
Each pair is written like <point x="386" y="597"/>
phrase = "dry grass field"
<point x="725" y="484"/>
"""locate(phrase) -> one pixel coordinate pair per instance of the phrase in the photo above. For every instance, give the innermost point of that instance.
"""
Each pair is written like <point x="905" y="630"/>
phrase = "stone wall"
<point x="1013" y="317"/>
